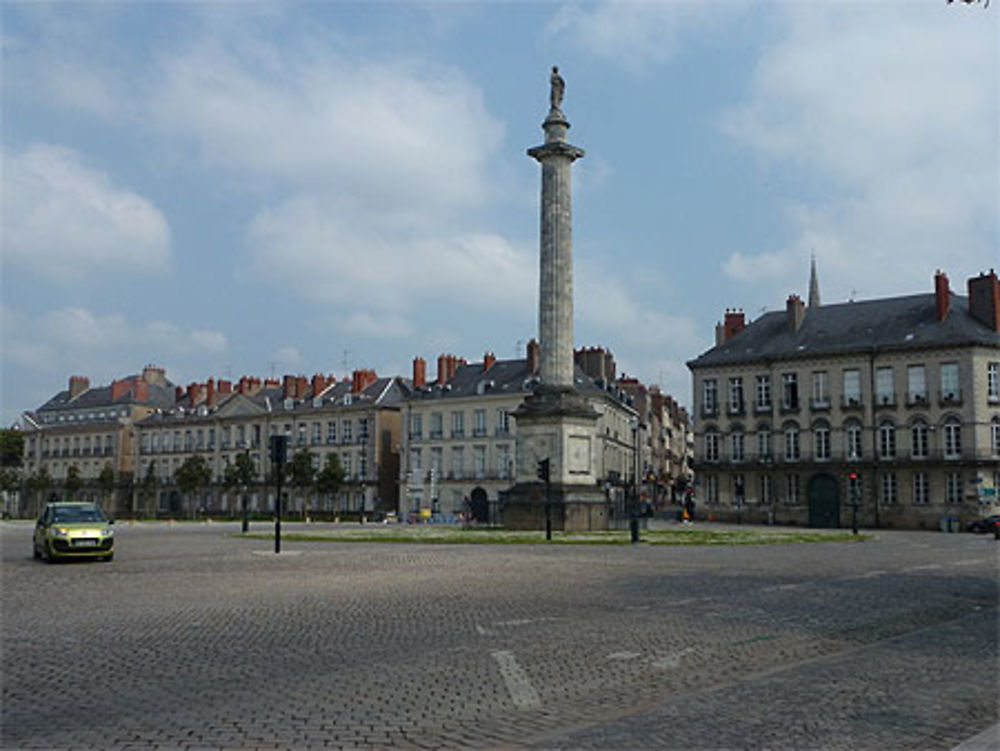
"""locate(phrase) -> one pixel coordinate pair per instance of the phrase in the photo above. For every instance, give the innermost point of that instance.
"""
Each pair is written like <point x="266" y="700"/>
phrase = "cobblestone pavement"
<point x="192" y="639"/>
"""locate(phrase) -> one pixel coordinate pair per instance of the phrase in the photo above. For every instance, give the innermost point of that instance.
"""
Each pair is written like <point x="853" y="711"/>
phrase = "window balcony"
<point x="950" y="397"/>
<point x="887" y="401"/>
<point x="851" y="402"/>
<point x="820" y="404"/>
<point x="436" y="435"/>
<point x="916" y="398"/>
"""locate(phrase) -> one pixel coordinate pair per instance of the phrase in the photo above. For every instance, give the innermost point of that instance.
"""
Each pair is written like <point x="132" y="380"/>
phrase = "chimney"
<point x="735" y="323"/>
<point x="140" y="389"/>
<point x="225" y="387"/>
<point x="120" y="389"/>
<point x="194" y="394"/>
<point x="269" y="383"/>
<point x="720" y="334"/>
<point x="442" y="372"/>
<point x="210" y="393"/>
<point x="288" y="387"/>
<point x="419" y="373"/>
<point x="795" y="313"/>
<point x="534" y="356"/>
<point x="984" y="299"/>
<point x="77" y="385"/>
<point x="362" y="379"/>
<point x="942" y="295"/>
<point x="452" y="363"/>
<point x="154" y="375"/>
<point x="318" y="384"/>
<point x="488" y="360"/>
<point x="178" y="393"/>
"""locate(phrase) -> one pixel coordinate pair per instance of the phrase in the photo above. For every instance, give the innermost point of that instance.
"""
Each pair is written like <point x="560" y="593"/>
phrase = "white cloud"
<point x="376" y="326"/>
<point x="287" y="357"/>
<point x="903" y="137"/>
<point x="65" y="220"/>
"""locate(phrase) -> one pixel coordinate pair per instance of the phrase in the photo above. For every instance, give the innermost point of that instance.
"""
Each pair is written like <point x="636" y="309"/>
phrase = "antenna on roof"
<point x="343" y="362"/>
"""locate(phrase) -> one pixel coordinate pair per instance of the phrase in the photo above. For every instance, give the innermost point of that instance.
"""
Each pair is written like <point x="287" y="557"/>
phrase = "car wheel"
<point x="34" y="551"/>
<point x="47" y="553"/>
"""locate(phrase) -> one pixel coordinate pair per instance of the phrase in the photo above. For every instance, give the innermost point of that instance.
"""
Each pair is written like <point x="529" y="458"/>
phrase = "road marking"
<point x="927" y="567"/>
<point x="782" y="587"/>
<point x="483" y="631"/>
<point x="523" y="621"/>
<point x="519" y="686"/>
<point x="970" y="562"/>
<point x="671" y="660"/>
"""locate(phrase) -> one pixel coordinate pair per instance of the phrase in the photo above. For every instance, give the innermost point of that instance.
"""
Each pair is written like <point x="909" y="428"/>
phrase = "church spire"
<point x="813" y="284"/>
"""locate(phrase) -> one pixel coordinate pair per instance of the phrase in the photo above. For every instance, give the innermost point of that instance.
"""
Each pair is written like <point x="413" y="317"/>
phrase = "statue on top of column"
<point x="558" y="88"/>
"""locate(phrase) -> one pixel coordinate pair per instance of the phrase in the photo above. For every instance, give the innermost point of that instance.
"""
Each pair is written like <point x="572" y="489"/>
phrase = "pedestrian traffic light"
<point x="279" y="449"/>
<point x="543" y="470"/>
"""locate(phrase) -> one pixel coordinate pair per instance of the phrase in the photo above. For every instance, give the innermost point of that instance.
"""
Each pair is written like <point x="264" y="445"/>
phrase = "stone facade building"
<point x="893" y="404"/>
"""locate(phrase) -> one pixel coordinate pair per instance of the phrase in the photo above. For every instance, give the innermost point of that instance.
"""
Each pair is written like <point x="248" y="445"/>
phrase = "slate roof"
<point x="893" y="323"/>
<point x="508" y="377"/>
<point x="100" y="396"/>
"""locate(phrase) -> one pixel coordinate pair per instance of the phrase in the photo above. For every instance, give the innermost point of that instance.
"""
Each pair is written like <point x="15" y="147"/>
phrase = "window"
<point x="709" y="396"/>
<point x="416" y="461"/>
<point x="791" y="489"/>
<point x="739" y="489"/>
<point x="995" y="436"/>
<point x="437" y="425"/>
<point x="211" y="438"/>
<point x="437" y="460"/>
<point x="199" y="438"/>
<point x="790" y="390"/>
<point x="993" y="381"/>
<point x="852" y="387"/>
<point x="853" y="434"/>
<point x="457" y="462"/>
<point x="887" y="440"/>
<point x="457" y="424"/>
<point x="763" y="392"/>
<point x="919" y="440"/>
<point x="736" y="446"/>
<point x="950" y="390"/>
<point x="885" y="392"/>
<point x="736" y="395"/>
<point x="766" y="491"/>
<point x="792" y="443"/>
<point x="345" y="431"/>
<point x="503" y="462"/>
<point x="953" y="487"/>
<point x="331" y="430"/>
<point x="952" y="438"/>
<point x="345" y="463"/>
<point x="916" y="385"/>
<point x="302" y="434"/>
<point x="821" y="442"/>
<point x="479" y="422"/>
<point x="416" y="427"/>
<point x="821" y="389"/>
<point x="479" y="461"/>
<point x="921" y="489"/>
<point x="711" y="489"/>
<point x="888" y="489"/>
<point x="503" y="421"/>
<point x="764" y="442"/>
<point x="188" y="440"/>
<point x="711" y="446"/>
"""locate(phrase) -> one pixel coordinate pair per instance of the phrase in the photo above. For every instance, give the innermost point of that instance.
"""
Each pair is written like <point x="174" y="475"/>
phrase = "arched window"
<point x="792" y="451"/>
<point x="919" y="442"/>
<point x="852" y="436"/>
<point x="886" y="440"/>
<point x="952" y="436"/>
<point x="821" y="441"/>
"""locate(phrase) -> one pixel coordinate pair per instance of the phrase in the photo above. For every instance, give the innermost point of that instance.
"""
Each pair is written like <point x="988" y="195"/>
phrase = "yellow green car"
<point x="74" y="530"/>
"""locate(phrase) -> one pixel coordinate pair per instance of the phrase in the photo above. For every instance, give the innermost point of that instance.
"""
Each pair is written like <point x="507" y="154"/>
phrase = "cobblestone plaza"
<point x="194" y="639"/>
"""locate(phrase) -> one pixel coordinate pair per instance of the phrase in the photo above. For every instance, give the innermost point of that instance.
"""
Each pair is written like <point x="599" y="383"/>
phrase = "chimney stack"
<point x="795" y="313"/>
<point x="77" y="385"/>
<point x="178" y="393"/>
<point x="288" y="387"/>
<point x="210" y="393"/>
<point x="720" y="334"/>
<point x="534" y="356"/>
<point x="194" y="394"/>
<point x="225" y="387"/>
<point x="419" y="373"/>
<point x="735" y="323"/>
<point x="488" y="360"/>
<point x="442" y="371"/>
<point x="942" y="295"/>
<point x="984" y="299"/>
<point x="120" y="389"/>
<point x="362" y="379"/>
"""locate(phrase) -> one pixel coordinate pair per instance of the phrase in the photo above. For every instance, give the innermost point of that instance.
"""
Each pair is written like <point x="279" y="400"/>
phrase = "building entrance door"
<point x="479" y="506"/>
<point x="824" y="502"/>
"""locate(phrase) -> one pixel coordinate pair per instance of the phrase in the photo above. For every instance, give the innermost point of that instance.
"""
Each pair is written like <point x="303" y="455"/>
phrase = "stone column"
<point x="555" y="303"/>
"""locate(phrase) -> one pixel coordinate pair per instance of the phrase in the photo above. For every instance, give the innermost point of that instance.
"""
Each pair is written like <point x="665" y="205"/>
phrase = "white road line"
<point x="483" y="631"/>
<point x="781" y="588"/>
<point x="622" y="656"/>
<point x="518" y="685"/>
<point x="523" y="621"/>
<point x="970" y="562"/>
<point x="927" y="567"/>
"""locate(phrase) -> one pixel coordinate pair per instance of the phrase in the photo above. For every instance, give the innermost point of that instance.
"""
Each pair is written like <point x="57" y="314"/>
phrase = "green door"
<point x="824" y="502"/>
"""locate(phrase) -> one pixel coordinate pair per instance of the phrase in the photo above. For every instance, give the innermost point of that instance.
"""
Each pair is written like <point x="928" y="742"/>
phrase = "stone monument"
<point x="556" y="425"/>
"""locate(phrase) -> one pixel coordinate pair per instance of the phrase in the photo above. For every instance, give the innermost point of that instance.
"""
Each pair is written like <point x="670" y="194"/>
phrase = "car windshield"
<point x="70" y="514"/>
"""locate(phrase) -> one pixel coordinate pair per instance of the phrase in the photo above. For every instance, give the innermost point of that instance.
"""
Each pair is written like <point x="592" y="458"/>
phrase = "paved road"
<point x="192" y="639"/>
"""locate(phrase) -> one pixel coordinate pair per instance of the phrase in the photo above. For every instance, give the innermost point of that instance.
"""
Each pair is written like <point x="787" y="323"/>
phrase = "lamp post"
<point x="246" y="491"/>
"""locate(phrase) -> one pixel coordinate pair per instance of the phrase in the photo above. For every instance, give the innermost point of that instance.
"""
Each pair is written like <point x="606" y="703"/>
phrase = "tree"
<point x="11" y="458"/>
<point x="38" y="484"/>
<point x="330" y="478"/>
<point x="193" y="475"/>
<point x="240" y="474"/>
<point x="73" y="481"/>
<point x="106" y="483"/>
<point x="147" y="489"/>
<point x="303" y="476"/>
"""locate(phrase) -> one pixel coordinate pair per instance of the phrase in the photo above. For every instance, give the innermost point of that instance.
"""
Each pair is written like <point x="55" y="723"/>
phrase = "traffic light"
<point x="543" y="470"/>
<point x="279" y="450"/>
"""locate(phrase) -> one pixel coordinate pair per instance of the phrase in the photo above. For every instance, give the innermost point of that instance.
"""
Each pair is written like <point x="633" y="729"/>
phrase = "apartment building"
<point x="889" y="404"/>
<point x="89" y="429"/>
<point x="458" y="450"/>
<point x="357" y="420"/>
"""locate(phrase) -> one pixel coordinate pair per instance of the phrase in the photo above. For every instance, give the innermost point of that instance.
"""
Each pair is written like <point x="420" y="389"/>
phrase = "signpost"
<point x="279" y="455"/>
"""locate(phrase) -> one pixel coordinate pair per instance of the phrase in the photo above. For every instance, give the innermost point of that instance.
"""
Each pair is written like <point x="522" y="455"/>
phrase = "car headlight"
<point x="107" y="532"/>
<point x="59" y="532"/>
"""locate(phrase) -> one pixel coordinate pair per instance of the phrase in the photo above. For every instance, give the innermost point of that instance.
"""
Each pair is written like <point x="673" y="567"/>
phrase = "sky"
<point x="266" y="188"/>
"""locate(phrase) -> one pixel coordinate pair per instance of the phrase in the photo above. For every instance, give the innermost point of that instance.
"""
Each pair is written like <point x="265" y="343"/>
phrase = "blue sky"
<point x="267" y="188"/>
